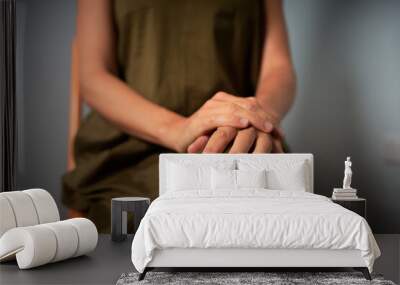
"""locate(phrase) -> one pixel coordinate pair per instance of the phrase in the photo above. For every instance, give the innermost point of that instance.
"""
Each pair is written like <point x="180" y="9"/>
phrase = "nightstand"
<point x="358" y="206"/>
<point x="119" y="215"/>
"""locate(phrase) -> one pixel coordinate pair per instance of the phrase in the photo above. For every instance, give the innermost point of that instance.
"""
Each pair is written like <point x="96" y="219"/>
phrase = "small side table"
<point x="358" y="205"/>
<point x="119" y="214"/>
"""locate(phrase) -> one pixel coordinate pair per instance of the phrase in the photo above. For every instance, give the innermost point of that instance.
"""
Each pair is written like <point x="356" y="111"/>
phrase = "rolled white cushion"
<point x="7" y="218"/>
<point x="23" y="208"/>
<point x="33" y="246"/>
<point x="87" y="235"/>
<point x="40" y="244"/>
<point x="45" y="205"/>
<point x="67" y="239"/>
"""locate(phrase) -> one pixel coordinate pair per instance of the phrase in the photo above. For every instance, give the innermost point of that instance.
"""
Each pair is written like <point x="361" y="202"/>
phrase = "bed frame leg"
<point x="364" y="271"/>
<point x="143" y="274"/>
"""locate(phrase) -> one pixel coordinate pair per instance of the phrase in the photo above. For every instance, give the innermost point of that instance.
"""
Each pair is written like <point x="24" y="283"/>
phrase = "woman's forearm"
<point x="128" y="110"/>
<point x="104" y="91"/>
<point x="277" y="81"/>
<point x="276" y="92"/>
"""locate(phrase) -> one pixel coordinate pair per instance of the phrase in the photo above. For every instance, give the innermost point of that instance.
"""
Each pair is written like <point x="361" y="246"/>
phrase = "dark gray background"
<point x="347" y="59"/>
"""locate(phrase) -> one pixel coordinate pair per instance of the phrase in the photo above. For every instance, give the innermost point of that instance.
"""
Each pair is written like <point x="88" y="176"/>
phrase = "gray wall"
<point x="45" y="32"/>
<point x="348" y="63"/>
<point x="347" y="58"/>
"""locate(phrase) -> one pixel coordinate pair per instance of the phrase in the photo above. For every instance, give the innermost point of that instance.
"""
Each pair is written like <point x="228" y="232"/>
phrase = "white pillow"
<point x="188" y="176"/>
<point x="293" y="179"/>
<point x="251" y="178"/>
<point x="223" y="179"/>
<point x="236" y="179"/>
<point x="281" y="175"/>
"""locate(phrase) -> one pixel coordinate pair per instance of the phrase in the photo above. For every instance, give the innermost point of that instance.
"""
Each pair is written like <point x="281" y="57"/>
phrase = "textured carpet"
<point x="232" y="278"/>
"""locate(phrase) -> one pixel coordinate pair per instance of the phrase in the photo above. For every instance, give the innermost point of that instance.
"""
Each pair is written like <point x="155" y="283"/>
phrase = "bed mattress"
<point x="252" y="219"/>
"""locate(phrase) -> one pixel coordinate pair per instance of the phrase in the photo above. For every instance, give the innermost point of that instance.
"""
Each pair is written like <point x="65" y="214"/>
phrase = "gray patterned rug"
<point x="231" y="278"/>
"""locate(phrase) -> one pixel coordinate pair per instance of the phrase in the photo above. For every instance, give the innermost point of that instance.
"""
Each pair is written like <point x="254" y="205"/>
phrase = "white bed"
<point x="249" y="227"/>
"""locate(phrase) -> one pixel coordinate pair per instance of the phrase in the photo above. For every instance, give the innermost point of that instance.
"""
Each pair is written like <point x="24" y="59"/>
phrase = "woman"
<point x="173" y="76"/>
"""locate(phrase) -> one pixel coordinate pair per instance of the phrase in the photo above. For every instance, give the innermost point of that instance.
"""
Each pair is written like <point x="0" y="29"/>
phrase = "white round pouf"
<point x="45" y="205"/>
<point x="7" y="218"/>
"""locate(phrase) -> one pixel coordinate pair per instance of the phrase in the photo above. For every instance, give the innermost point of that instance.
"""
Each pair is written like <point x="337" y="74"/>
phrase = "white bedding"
<point x="251" y="218"/>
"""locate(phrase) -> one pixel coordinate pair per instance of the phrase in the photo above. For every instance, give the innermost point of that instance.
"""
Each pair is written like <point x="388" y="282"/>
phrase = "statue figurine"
<point x="347" y="174"/>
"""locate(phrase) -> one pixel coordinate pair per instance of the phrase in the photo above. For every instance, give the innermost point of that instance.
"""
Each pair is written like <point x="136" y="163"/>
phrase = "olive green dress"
<point x="176" y="53"/>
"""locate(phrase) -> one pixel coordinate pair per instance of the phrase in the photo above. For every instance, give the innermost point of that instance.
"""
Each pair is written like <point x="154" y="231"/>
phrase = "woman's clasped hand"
<point x="227" y="123"/>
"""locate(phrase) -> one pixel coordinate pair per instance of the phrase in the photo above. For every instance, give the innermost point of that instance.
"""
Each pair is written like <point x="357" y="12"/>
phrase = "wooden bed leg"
<point x="142" y="275"/>
<point x="364" y="271"/>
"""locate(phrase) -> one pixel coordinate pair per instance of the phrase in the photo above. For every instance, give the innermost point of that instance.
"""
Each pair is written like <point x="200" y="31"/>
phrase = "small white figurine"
<point x="347" y="174"/>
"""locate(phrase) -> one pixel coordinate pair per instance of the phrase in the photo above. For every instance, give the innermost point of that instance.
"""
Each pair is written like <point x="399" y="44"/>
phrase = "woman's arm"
<point x="277" y="81"/>
<point x="102" y="90"/>
<point x="275" y="94"/>
<point x="127" y="109"/>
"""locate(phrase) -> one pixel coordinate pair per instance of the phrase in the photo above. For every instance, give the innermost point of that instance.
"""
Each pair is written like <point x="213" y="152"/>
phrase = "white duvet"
<point x="253" y="218"/>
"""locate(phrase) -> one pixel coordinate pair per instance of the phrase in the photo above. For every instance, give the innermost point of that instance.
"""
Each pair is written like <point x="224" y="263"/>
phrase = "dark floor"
<point x="110" y="260"/>
<point x="389" y="262"/>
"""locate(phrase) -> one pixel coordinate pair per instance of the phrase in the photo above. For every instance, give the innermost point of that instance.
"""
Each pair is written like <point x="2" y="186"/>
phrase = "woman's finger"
<point x="220" y="139"/>
<point x="221" y="95"/>
<point x="277" y="133"/>
<point x="198" y="145"/>
<point x="277" y="146"/>
<point x="254" y="119"/>
<point x="227" y="114"/>
<point x="209" y="121"/>
<point x="248" y="103"/>
<point x="244" y="140"/>
<point x="263" y="143"/>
